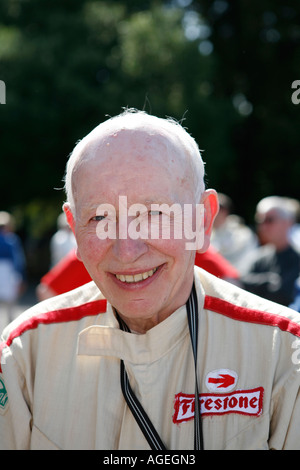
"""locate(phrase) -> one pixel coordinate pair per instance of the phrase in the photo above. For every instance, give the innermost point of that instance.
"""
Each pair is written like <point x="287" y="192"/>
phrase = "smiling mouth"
<point x="127" y="278"/>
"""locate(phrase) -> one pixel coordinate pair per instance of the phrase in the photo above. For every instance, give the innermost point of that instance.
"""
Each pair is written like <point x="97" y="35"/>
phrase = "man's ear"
<point x="210" y="201"/>
<point x="69" y="215"/>
<point x="71" y="222"/>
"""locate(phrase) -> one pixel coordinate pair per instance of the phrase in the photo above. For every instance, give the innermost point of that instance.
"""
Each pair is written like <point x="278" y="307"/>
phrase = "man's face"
<point x="272" y="228"/>
<point x="144" y="279"/>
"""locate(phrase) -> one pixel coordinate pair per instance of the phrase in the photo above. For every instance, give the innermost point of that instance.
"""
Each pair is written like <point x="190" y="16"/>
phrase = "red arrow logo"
<point x="224" y="380"/>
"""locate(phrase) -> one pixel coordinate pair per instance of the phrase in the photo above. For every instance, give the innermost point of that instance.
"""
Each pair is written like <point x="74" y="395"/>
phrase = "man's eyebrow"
<point x="148" y="202"/>
<point x="158" y="201"/>
<point x="88" y="207"/>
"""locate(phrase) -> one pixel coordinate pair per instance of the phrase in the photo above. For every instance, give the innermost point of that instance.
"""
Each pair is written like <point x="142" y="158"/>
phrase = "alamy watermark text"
<point x="2" y="92"/>
<point x="158" y="221"/>
<point x="296" y="94"/>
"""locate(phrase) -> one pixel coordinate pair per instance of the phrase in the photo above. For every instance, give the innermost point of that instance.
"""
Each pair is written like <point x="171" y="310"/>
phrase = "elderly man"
<point x="154" y="353"/>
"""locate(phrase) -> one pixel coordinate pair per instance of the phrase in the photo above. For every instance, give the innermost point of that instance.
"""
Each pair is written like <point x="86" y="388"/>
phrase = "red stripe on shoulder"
<point x="55" y="316"/>
<point x="59" y="316"/>
<point x="251" y="315"/>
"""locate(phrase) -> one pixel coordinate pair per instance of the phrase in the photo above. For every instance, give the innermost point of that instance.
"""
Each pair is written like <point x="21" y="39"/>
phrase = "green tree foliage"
<point x="257" y="49"/>
<point x="224" y="68"/>
<point x="68" y="64"/>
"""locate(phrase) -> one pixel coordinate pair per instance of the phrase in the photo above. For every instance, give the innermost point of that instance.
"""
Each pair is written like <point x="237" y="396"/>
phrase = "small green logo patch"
<point x="3" y="394"/>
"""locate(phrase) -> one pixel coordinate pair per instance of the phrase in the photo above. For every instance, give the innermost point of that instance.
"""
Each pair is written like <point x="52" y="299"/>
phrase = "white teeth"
<point x="135" y="277"/>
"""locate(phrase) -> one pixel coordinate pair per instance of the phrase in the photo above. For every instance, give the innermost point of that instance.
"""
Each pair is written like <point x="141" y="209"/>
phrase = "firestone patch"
<point x="245" y="402"/>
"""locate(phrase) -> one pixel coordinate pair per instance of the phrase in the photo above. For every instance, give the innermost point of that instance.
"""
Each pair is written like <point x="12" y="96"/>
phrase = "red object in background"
<point x="216" y="264"/>
<point x="66" y="275"/>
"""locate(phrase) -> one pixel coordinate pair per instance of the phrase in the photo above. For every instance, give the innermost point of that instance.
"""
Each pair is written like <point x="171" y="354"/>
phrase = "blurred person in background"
<point x="275" y="265"/>
<point x="294" y="233"/>
<point x="62" y="242"/>
<point x="12" y="265"/>
<point x="295" y="305"/>
<point x="230" y="236"/>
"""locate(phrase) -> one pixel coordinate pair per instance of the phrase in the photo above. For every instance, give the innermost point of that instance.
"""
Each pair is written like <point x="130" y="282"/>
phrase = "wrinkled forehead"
<point x="130" y="142"/>
<point x="136" y="163"/>
<point x="134" y="145"/>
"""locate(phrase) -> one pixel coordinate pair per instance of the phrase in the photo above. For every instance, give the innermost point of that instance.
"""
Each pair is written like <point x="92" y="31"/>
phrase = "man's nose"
<point x="129" y="250"/>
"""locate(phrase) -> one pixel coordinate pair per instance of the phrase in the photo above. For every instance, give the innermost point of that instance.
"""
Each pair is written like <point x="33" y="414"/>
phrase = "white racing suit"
<point x="60" y="374"/>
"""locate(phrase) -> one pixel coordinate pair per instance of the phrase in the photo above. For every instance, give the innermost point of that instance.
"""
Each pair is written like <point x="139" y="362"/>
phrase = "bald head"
<point x="178" y="148"/>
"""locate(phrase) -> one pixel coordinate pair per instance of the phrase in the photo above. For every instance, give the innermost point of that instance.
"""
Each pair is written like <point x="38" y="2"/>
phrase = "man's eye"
<point x="155" y="213"/>
<point x="98" y="218"/>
